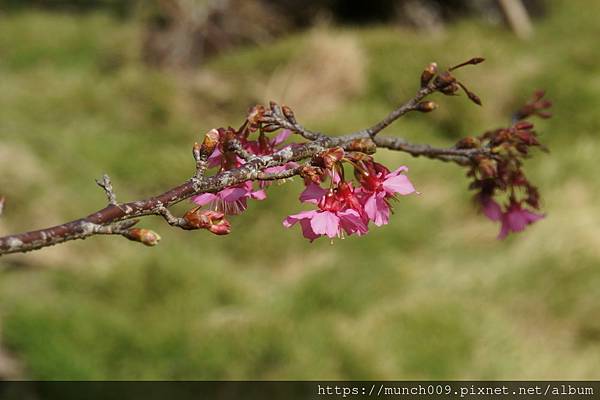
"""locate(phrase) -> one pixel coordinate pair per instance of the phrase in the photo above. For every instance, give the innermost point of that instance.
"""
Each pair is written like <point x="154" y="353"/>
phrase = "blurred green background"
<point x="431" y="296"/>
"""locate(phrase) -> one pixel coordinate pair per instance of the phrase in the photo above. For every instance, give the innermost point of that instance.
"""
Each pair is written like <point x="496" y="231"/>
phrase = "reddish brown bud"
<point x="538" y="94"/>
<point x="144" y="236"/>
<point x="270" y="128"/>
<point x="450" y="89"/>
<point x="358" y="156"/>
<point x="426" y="106"/>
<point x="214" y="221"/>
<point x="2" y="200"/>
<point x="544" y="114"/>
<point x="273" y="105"/>
<point x="487" y="168"/>
<point x="364" y="145"/>
<point x="527" y="137"/>
<point x="328" y="158"/>
<point x="472" y="61"/>
<point x="472" y="96"/>
<point x="289" y="114"/>
<point x="523" y="125"/>
<point x="311" y="173"/>
<point x="255" y="116"/>
<point x="468" y="142"/>
<point x="536" y="106"/>
<point x="428" y="73"/>
<point x="444" y="79"/>
<point x="210" y="142"/>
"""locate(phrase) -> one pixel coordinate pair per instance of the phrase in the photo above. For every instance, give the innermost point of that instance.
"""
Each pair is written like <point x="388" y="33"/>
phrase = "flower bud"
<point x="468" y="142"/>
<point x="223" y="227"/>
<point x="364" y="145"/>
<point x="444" y="79"/>
<point x="523" y="125"/>
<point x="487" y="168"/>
<point x="426" y="106"/>
<point x="450" y="89"/>
<point x="472" y="96"/>
<point x="144" y="236"/>
<point x="311" y="174"/>
<point x="329" y="157"/>
<point x="270" y="128"/>
<point x="255" y="116"/>
<point x="2" y="200"/>
<point x="472" y="61"/>
<point x="428" y="73"/>
<point x="289" y="114"/>
<point x="210" y="142"/>
<point x="214" y="221"/>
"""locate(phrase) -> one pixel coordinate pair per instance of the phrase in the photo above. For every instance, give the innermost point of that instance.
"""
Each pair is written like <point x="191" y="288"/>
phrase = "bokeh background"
<point x="88" y="87"/>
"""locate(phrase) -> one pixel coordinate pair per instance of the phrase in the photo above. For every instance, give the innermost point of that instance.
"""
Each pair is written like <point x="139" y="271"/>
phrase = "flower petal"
<point x="215" y="158"/>
<point x="281" y="137"/>
<point x="398" y="171"/>
<point x="233" y="194"/>
<point x="292" y="219"/>
<point x="325" y="223"/>
<point x="398" y="184"/>
<point x="351" y="222"/>
<point x="259" y="195"/>
<point x="377" y="210"/>
<point x="307" y="230"/>
<point x="491" y="209"/>
<point x="516" y="220"/>
<point x="532" y="217"/>
<point x="504" y="229"/>
<point x="204" y="198"/>
<point x="312" y="194"/>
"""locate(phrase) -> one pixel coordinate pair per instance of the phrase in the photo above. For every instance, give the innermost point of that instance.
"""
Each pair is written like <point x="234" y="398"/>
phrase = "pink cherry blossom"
<point x="317" y="223"/>
<point x="378" y="186"/>
<point x="257" y="147"/>
<point x="516" y="219"/>
<point x="231" y="200"/>
<point x="337" y="213"/>
<point x="264" y="145"/>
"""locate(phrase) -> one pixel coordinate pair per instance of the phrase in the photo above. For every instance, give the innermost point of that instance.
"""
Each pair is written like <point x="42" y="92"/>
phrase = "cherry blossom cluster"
<point x="226" y="147"/>
<point x="503" y="192"/>
<point x="343" y="207"/>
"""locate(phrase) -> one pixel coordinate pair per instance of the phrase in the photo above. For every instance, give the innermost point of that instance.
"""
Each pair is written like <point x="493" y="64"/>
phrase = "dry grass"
<point x="328" y="70"/>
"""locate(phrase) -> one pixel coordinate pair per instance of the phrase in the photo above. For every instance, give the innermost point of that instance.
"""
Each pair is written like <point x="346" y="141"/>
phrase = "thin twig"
<point x="106" y="184"/>
<point x="238" y="149"/>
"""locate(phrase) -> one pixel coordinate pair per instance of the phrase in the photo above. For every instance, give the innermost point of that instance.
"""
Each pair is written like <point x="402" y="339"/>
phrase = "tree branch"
<point x="459" y="156"/>
<point x="118" y="218"/>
